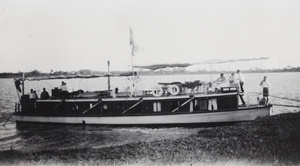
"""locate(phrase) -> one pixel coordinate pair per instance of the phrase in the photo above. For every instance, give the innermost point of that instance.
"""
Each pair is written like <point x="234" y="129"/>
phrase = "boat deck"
<point x="139" y="97"/>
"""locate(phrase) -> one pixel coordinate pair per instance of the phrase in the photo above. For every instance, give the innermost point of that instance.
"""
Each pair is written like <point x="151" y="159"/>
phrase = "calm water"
<point x="283" y="85"/>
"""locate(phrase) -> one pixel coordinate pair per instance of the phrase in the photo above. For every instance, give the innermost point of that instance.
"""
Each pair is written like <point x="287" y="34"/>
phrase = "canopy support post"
<point x="91" y="107"/>
<point x="141" y="100"/>
<point x="108" y="79"/>
<point x="176" y="109"/>
<point x="23" y="80"/>
<point x="56" y="106"/>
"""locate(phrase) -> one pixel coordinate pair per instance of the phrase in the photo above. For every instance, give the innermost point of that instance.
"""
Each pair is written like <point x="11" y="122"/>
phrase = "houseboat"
<point x="175" y="103"/>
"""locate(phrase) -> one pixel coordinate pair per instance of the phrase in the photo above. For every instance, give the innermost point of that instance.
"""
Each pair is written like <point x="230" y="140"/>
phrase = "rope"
<point x="16" y="105"/>
<point x="284" y="98"/>
<point x="8" y="119"/>
<point x="283" y="105"/>
<point x="279" y="97"/>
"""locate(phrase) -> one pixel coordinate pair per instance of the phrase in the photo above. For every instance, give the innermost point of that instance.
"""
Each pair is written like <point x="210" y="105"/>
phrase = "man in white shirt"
<point x="265" y="85"/>
<point x="232" y="80"/>
<point x="134" y="83"/>
<point x="241" y="79"/>
<point x="236" y="82"/>
<point x="32" y="100"/>
<point x="221" y="81"/>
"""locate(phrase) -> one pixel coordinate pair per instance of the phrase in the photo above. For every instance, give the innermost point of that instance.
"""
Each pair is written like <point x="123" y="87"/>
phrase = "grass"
<point x="271" y="140"/>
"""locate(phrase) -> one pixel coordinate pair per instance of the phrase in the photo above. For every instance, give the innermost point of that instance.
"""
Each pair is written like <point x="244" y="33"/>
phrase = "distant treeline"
<point x="183" y="71"/>
<point x="36" y="73"/>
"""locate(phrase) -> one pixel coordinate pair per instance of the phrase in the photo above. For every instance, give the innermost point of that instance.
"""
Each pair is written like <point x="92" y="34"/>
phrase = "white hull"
<point x="246" y="114"/>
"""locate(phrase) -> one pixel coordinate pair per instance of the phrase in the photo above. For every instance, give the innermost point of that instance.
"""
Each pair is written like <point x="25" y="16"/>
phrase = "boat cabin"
<point x="146" y="102"/>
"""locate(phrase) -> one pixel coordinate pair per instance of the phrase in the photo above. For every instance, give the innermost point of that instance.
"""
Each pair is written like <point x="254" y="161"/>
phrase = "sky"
<point x="70" y="35"/>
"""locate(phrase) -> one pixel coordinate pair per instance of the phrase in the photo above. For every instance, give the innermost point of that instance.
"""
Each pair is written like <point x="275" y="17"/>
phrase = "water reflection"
<point x="36" y="137"/>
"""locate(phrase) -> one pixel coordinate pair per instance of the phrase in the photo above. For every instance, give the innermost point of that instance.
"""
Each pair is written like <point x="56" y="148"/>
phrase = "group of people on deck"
<point x="237" y="80"/>
<point x="34" y="96"/>
<point x="45" y="95"/>
<point x="234" y="80"/>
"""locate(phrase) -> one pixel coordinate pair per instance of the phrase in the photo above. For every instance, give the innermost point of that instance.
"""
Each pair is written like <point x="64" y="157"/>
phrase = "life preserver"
<point x="157" y="91"/>
<point x="173" y="89"/>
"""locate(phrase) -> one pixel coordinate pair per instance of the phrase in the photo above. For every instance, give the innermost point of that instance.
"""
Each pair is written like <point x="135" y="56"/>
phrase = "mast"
<point x="131" y="42"/>
<point x="210" y="72"/>
<point x="132" y="62"/>
<point x="108" y="79"/>
<point x="23" y="79"/>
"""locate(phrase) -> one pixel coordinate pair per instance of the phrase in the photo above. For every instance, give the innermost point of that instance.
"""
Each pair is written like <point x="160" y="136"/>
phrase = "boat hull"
<point x="207" y="117"/>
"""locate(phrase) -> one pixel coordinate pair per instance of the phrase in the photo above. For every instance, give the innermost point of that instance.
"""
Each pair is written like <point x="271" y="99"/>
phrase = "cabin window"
<point x="91" y="105"/>
<point x="156" y="107"/>
<point x="191" y="106"/>
<point x="75" y="107"/>
<point x="105" y="106"/>
<point x="196" y="105"/>
<point x="203" y="104"/>
<point x="121" y="107"/>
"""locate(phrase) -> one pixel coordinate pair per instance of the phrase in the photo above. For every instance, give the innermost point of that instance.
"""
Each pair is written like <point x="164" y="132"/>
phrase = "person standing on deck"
<point x="265" y="85"/>
<point x="36" y="96"/>
<point x="32" y="99"/>
<point x="32" y="95"/>
<point x="45" y="94"/>
<point x="221" y="81"/>
<point x="241" y="79"/>
<point x="133" y="86"/>
<point x="232" y="80"/>
<point x="234" y="83"/>
<point x="64" y="90"/>
<point x="17" y="84"/>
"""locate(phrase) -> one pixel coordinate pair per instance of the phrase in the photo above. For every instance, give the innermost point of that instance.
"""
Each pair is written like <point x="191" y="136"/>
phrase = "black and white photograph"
<point x="149" y="82"/>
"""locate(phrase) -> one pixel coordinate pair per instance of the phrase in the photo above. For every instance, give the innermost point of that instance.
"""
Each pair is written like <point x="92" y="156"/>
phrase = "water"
<point x="36" y="137"/>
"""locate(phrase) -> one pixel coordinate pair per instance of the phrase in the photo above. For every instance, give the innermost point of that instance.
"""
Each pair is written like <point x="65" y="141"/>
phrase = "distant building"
<point x="289" y="67"/>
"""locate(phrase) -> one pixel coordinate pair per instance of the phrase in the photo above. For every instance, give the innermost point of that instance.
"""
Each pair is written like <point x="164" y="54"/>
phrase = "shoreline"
<point x="273" y="140"/>
<point x="126" y="73"/>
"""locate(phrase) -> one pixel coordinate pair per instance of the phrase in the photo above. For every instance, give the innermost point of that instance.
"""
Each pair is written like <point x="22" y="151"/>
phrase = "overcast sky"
<point x="70" y="35"/>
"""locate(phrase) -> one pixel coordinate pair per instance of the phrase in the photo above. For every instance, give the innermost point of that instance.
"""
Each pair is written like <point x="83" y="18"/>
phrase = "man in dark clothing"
<point x="17" y="84"/>
<point x="45" y="94"/>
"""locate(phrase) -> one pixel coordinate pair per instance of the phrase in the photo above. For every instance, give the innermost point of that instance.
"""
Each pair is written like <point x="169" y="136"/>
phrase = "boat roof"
<point x="78" y="76"/>
<point x="216" y="61"/>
